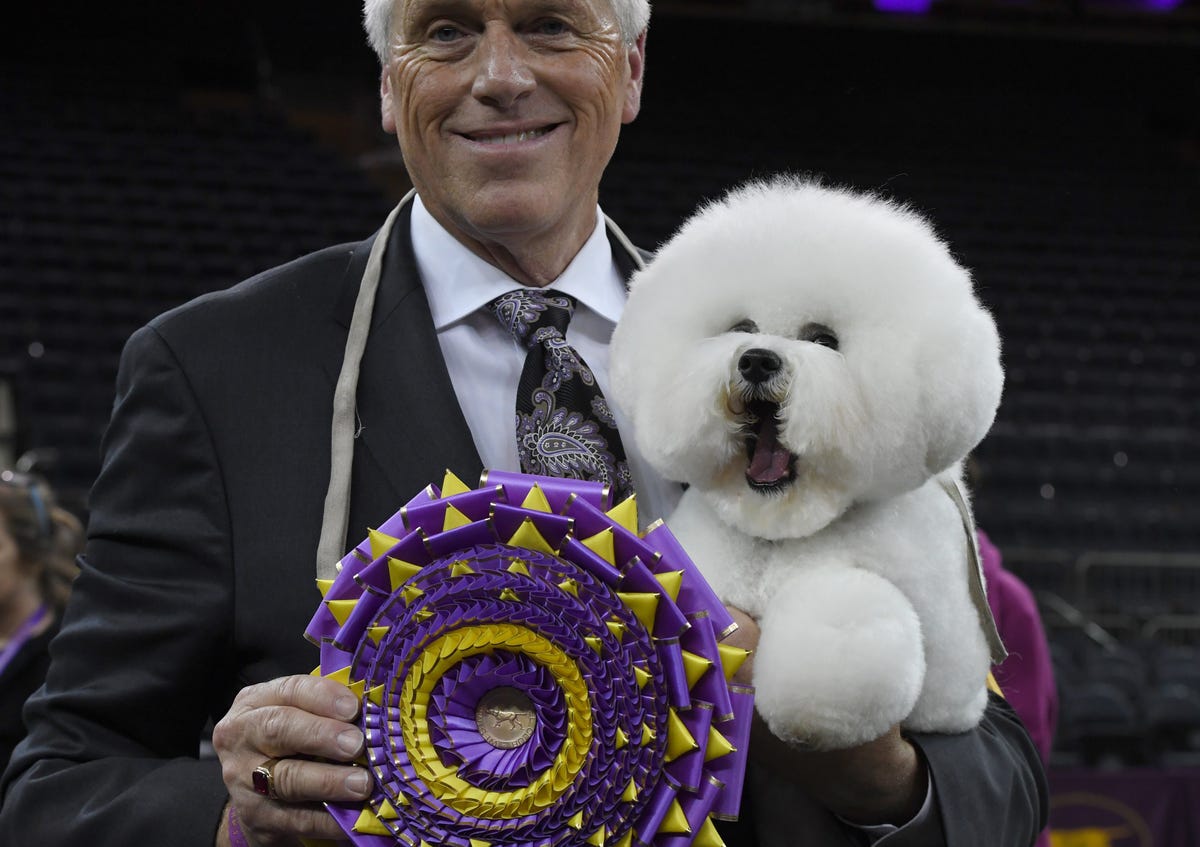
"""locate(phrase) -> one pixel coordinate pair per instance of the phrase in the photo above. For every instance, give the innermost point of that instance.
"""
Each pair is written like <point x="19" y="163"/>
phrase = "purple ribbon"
<point x="527" y="676"/>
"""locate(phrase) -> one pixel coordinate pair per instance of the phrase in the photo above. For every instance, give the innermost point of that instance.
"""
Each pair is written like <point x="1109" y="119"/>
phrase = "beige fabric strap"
<point x="975" y="576"/>
<point x="336" y="515"/>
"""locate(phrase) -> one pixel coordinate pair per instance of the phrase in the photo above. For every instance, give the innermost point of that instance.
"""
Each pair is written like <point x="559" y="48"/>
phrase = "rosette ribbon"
<point x="534" y="672"/>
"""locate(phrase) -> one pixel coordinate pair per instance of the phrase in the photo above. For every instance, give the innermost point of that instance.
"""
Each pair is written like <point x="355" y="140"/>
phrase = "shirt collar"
<point x="459" y="283"/>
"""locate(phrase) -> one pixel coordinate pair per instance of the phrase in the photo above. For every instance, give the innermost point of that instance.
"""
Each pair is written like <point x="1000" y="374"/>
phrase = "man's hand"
<point x="290" y="719"/>
<point x="882" y="781"/>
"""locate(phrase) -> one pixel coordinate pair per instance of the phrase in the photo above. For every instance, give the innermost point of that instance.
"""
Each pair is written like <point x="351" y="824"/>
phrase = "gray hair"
<point x="632" y="15"/>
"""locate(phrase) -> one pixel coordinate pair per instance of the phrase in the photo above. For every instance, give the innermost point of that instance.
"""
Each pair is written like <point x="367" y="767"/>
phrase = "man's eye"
<point x="446" y="34"/>
<point x="550" y="26"/>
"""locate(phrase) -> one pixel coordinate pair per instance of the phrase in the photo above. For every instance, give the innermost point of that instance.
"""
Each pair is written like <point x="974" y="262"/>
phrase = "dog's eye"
<point x="819" y="334"/>
<point x="746" y="325"/>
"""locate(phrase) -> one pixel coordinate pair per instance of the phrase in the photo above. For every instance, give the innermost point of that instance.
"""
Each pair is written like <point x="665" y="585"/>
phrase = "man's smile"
<point x="508" y="137"/>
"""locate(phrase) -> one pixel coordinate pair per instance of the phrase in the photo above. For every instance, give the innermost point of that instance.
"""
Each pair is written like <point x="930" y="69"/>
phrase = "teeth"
<point x="512" y="138"/>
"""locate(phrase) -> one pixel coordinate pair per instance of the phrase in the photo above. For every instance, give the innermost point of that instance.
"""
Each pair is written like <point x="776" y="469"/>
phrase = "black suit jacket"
<point x="198" y="575"/>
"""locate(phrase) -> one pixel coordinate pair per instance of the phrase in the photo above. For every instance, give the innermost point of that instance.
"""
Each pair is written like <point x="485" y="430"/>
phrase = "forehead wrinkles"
<point x="587" y="14"/>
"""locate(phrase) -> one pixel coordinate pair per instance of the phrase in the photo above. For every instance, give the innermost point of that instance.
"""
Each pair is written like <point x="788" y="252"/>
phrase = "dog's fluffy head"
<point x="796" y="349"/>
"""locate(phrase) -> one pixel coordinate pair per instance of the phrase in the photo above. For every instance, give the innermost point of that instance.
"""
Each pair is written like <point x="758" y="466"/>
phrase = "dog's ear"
<point x="961" y="385"/>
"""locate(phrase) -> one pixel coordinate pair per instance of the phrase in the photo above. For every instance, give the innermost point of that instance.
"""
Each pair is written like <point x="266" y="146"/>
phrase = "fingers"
<point x="313" y="694"/>
<point x="283" y="825"/>
<point x="292" y="720"/>
<point x="298" y="781"/>
<point x="290" y="716"/>
<point x="282" y="731"/>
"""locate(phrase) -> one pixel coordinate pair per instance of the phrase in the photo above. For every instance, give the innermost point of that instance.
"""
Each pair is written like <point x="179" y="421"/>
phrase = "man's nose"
<point x="504" y="74"/>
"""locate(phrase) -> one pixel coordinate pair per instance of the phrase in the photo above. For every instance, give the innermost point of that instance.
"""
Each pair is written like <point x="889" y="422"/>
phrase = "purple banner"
<point x="1143" y="807"/>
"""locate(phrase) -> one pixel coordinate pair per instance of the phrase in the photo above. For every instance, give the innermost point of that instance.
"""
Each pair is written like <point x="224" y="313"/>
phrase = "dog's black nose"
<point x="758" y="365"/>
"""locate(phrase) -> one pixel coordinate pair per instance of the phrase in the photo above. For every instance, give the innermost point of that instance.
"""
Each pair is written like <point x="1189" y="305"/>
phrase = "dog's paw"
<point x="840" y="660"/>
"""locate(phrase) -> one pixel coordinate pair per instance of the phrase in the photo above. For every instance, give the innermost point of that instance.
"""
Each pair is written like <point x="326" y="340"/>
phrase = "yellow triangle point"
<point x="595" y="643"/>
<point x="387" y="811"/>
<point x="642" y="676"/>
<point x="323" y="585"/>
<point x="475" y="842"/>
<point x="708" y="835"/>
<point x="675" y="821"/>
<point x="376" y="633"/>
<point x="341" y="609"/>
<point x="732" y="658"/>
<point x="461" y="568"/>
<point x="695" y="667"/>
<point x="570" y="586"/>
<point x="423" y="614"/>
<point x="671" y="581"/>
<point x="509" y="594"/>
<point x="369" y="824"/>
<point x="518" y="566"/>
<point x="622" y="739"/>
<point x="454" y="518"/>
<point x="527" y="536"/>
<point x="536" y="500"/>
<point x="643" y="604"/>
<point x="316" y="671"/>
<point x="625" y="840"/>
<point x="381" y="542"/>
<point x="679" y="739"/>
<point x="596" y="839"/>
<point x="452" y="485"/>
<point x="577" y="821"/>
<point x="357" y="687"/>
<point x="401" y="572"/>
<point x="625" y="513"/>
<point x="631" y="792"/>
<point x="375" y="695"/>
<point x="411" y="594"/>
<point x="602" y="545"/>
<point x="617" y="629"/>
<point x="648" y="734"/>
<point x="718" y="746"/>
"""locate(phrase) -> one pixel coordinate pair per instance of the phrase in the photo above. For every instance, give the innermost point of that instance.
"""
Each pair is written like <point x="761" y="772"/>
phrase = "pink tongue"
<point x="770" y="462"/>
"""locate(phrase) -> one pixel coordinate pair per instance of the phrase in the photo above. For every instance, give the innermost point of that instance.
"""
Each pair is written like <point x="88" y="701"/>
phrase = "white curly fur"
<point x="855" y="563"/>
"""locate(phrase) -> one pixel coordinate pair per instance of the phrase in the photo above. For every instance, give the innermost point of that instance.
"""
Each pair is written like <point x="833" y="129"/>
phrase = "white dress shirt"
<point x="485" y="362"/>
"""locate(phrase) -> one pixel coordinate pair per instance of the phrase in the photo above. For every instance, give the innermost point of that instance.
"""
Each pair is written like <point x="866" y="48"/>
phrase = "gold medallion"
<point x="505" y="717"/>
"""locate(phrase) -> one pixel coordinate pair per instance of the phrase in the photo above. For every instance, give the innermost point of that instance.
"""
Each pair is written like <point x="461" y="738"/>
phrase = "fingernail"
<point x="347" y="707"/>
<point x="350" y="741"/>
<point x="358" y="782"/>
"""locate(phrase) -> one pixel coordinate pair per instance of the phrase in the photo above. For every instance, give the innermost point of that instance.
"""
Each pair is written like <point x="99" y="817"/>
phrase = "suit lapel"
<point x="412" y="429"/>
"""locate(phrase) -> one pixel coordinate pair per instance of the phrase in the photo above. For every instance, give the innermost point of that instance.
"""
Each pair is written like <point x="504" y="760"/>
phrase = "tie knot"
<point x="525" y="311"/>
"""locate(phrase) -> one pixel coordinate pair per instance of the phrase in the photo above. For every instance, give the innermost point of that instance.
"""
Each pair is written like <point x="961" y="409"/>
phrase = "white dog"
<point x="815" y="365"/>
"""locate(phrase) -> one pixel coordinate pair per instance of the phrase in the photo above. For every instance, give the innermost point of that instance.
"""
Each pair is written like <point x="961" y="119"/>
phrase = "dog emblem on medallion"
<point x="505" y="717"/>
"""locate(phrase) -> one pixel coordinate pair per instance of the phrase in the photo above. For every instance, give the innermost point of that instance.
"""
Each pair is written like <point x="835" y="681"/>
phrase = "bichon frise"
<point x="815" y="365"/>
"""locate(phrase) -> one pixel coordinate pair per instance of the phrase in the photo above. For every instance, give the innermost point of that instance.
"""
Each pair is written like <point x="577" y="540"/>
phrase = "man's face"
<point x="507" y="111"/>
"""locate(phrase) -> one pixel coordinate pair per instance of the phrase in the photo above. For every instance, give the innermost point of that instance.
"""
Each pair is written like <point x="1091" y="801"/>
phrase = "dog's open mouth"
<point x="771" y="465"/>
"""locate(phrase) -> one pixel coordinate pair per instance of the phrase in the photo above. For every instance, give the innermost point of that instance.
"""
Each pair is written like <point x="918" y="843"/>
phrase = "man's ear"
<point x="637" y="71"/>
<point x="387" y="107"/>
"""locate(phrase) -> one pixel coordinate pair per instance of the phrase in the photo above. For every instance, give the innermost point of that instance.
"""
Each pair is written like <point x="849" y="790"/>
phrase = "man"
<point x="197" y="579"/>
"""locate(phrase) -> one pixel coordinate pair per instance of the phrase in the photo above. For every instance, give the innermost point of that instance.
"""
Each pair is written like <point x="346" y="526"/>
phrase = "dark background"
<point x="150" y="153"/>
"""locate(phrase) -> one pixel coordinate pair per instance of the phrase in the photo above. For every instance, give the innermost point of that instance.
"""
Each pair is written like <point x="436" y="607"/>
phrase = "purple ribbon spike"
<point x="528" y="676"/>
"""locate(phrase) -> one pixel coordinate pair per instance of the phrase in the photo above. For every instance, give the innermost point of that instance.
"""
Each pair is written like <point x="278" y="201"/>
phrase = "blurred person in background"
<point x="38" y="544"/>
<point x="1027" y="676"/>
